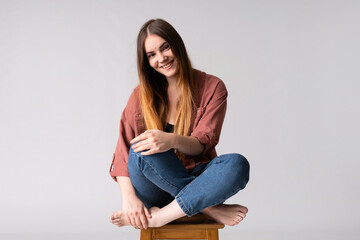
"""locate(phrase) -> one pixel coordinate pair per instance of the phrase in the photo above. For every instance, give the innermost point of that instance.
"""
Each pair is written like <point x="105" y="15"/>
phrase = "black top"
<point x="169" y="128"/>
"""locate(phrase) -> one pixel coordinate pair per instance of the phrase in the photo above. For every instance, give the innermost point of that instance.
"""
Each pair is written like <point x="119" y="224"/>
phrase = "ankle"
<point x="207" y="210"/>
<point x="153" y="222"/>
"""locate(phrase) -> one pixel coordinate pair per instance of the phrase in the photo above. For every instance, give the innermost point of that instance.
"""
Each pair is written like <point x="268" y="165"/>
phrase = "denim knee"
<point x="141" y="160"/>
<point x="241" y="165"/>
<point x="164" y="169"/>
<point x="134" y="157"/>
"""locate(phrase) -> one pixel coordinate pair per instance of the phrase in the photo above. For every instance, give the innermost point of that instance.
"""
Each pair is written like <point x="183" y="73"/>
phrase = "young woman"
<point x="165" y="160"/>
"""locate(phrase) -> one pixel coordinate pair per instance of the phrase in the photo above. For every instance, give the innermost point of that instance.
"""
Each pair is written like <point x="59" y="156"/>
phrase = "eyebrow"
<point x="161" y="46"/>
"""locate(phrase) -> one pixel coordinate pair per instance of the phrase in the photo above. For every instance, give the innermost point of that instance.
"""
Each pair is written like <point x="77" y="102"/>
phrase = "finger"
<point x="149" y="152"/>
<point x="132" y="221"/>
<point x="139" y="138"/>
<point x="144" y="222"/>
<point x="138" y="222"/>
<point x="144" y="146"/>
<point x="142" y="143"/>
<point x="147" y="213"/>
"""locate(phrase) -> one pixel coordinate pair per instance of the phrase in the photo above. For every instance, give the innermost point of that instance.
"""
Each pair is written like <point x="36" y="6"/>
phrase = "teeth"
<point x="167" y="65"/>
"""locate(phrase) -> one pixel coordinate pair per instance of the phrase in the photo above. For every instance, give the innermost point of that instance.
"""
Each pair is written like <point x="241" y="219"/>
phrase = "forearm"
<point x="126" y="187"/>
<point x="187" y="144"/>
<point x="132" y="207"/>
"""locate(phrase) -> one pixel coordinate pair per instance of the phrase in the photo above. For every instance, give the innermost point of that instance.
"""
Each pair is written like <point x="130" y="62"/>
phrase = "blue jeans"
<point x="161" y="177"/>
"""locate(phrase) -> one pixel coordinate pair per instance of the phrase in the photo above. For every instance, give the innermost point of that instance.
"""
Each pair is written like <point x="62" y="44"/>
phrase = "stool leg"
<point x="212" y="234"/>
<point x="146" y="234"/>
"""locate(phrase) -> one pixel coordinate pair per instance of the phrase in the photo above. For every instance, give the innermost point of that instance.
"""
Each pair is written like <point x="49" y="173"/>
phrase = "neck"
<point x="172" y="81"/>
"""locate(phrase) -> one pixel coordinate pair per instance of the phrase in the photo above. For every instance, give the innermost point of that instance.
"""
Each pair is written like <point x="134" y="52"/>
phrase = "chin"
<point x="170" y="75"/>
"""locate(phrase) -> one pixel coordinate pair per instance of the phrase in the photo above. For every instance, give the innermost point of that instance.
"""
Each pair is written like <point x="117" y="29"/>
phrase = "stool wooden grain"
<point x="196" y="227"/>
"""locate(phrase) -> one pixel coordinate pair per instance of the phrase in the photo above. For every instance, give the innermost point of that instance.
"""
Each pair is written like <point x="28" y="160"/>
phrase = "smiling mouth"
<point x="168" y="66"/>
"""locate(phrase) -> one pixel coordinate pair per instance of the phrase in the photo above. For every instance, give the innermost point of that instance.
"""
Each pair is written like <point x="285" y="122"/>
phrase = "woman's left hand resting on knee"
<point x="156" y="141"/>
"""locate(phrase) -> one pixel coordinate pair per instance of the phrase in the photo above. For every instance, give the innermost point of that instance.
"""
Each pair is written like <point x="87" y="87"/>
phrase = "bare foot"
<point x="226" y="213"/>
<point x="119" y="219"/>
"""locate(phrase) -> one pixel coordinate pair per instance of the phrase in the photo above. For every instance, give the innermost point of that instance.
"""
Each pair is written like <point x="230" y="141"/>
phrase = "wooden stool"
<point x="198" y="226"/>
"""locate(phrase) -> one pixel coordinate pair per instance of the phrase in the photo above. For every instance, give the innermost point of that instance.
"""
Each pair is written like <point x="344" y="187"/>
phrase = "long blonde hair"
<point x="153" y="85"/>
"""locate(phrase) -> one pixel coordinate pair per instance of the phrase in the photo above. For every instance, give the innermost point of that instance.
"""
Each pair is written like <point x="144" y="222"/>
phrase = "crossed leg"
<point x="230" y="215"/>
<point x="222" y="213"/>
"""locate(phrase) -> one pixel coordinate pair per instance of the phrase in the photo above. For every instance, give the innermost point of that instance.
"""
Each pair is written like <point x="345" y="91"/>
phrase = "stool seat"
<point x="199" y="226"/>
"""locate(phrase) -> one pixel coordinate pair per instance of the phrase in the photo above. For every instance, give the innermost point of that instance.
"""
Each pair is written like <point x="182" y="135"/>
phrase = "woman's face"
<point x="160" y="56"/>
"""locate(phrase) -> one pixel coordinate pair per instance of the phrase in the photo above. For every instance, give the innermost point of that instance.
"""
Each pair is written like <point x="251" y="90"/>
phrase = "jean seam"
<point x="223" y="199"/>
<point x="182" y="206"/>
<point x="217" y="202"/>
<point x="182" y="191"/>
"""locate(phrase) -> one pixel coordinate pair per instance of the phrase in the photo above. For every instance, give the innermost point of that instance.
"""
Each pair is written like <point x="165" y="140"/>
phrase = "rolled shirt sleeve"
<point x="119" y="165"/>
<point x="210" y="115"/>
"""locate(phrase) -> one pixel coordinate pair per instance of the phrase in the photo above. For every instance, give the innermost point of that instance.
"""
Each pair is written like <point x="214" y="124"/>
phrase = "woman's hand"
<point x="154" y="141"/>
<point x="136" y="212"/>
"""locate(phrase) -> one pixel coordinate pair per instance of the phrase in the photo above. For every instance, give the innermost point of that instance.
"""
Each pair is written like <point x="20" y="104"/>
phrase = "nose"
<point x="162" y="57"/>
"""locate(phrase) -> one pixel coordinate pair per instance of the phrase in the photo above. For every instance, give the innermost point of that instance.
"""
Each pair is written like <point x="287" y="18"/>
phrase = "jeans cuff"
<point x="182" y="206"/>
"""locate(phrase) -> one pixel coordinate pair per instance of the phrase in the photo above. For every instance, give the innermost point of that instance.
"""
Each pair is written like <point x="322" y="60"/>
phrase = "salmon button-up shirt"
<point x="210" y="99"/>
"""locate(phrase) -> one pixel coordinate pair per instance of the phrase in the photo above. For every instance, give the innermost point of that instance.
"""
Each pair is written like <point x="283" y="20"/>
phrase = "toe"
<point x="244" y="209"/>
<point x="233" y="223"/>
<point x="117" y="215"/>
<point x="242" y="215"/>
<point x="238" y="219"/>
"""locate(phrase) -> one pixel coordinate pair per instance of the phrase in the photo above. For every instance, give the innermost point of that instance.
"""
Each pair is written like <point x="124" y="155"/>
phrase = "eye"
<point x="166" y="47"/>
<point x="150" y="55"/>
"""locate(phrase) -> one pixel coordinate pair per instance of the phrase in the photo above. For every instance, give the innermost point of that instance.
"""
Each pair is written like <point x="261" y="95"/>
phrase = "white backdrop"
<point x="292" y="72"/>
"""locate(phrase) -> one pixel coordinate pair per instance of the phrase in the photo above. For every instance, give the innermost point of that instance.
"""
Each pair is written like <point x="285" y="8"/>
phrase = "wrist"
<point x="129" y="197"/>
<point x="174" y="141"/>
